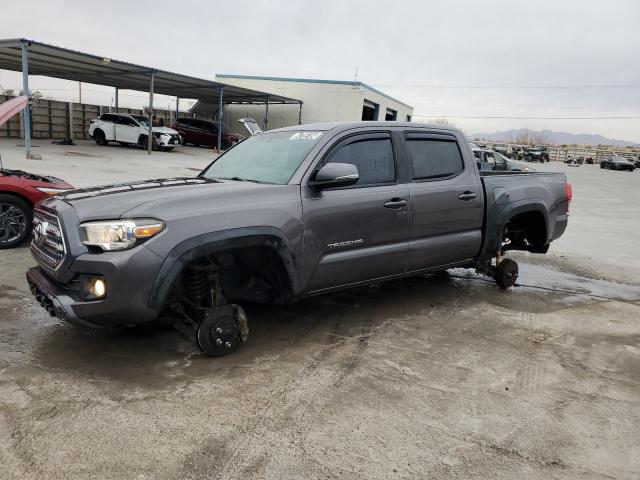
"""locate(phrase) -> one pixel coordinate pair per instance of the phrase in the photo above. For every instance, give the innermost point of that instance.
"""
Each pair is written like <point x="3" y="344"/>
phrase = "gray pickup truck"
<point x="284" y="215"/>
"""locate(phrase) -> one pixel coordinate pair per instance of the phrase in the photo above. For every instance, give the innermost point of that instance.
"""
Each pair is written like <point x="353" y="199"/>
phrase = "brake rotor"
<point x="507" y="273"/>
<point x="219" y="332"/>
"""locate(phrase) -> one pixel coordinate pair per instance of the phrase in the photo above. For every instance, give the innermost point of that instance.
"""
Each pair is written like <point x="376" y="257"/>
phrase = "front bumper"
<point x="168" y="140"/>
<point x="129" y="276"/>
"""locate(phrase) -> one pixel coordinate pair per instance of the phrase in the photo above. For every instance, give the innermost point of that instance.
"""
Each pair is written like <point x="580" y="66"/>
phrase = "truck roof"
<point x="339" y="126"/>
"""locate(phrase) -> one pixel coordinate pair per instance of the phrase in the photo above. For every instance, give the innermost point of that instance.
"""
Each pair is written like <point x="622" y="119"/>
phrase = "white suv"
<point x="132" y="129"/>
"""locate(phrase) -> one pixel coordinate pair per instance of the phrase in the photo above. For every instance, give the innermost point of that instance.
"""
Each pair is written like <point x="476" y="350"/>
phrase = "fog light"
<point x="97" y="288"/>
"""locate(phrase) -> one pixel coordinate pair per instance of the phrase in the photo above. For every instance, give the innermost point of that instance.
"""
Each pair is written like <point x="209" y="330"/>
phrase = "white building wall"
<point x="322" y="102"/>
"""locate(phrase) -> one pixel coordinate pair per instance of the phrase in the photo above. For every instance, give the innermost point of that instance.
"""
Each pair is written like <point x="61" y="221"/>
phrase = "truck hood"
<point x="154" y="197"/>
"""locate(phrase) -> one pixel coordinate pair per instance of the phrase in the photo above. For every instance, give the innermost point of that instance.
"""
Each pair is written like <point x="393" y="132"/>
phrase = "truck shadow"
<point x="161" y="357"/>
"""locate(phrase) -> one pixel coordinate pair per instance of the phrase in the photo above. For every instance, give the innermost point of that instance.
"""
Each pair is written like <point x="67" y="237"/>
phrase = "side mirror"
<point x="335" y="175"/>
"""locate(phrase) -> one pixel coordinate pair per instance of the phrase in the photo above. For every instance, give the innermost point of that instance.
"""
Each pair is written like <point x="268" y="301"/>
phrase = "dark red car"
<point x="19" y="192"/>
<point x="203" y="132"/>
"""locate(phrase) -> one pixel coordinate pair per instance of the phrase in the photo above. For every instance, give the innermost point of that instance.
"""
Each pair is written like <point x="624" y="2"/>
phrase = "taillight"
<point x="569" y="191"/>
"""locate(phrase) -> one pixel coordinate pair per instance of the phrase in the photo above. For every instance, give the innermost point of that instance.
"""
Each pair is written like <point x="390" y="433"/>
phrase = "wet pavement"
<point x="436" y="376"/>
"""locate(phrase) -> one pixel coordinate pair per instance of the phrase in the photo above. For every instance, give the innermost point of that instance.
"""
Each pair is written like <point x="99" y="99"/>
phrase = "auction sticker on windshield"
<point x="305" y="136"/>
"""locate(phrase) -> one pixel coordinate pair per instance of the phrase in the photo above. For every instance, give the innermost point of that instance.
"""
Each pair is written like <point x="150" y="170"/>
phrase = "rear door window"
<point x="107" y="117"/>
<point x="128" y="121"/>
<point x="434" y="158"/>
<point x="372" y="155"/>
<point x="206" y="126"/>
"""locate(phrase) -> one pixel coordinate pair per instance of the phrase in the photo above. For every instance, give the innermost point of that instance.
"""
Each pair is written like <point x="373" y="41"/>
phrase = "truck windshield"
<point x="264" y="158"/>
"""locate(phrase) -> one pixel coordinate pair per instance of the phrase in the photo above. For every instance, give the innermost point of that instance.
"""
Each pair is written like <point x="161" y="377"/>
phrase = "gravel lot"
<point x="437" y="376"/>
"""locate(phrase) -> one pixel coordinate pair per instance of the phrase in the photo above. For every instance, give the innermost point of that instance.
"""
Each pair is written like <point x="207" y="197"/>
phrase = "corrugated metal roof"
<point x="58" y="62"/>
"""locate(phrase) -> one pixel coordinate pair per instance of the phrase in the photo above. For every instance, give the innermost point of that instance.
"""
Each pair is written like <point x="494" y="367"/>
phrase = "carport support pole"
<point x="177" y="107"/>
<point x="150" y="137"/>
<point x="25" y="90"/>
<point x="300" y="115"/>
<point x="220" y="113"/>
<point x="117" y="103"/>
<point x="266" y="115"/>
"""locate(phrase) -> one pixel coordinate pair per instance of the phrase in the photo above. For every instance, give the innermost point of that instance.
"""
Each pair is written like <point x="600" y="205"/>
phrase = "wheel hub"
<point x="219" y="333"/>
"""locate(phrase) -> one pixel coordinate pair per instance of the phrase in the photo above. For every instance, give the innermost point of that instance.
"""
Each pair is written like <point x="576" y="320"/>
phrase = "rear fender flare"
<point x="208" y="243"/>
<point x="494" y="237"/>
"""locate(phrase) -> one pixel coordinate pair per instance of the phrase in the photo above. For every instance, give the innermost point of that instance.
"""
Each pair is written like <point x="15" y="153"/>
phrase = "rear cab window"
<point x="433" y="157"/>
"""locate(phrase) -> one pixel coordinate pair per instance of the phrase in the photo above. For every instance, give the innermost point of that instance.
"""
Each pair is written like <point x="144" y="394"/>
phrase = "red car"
<point x="203" y="132"/>
<point x="19" y="192"/>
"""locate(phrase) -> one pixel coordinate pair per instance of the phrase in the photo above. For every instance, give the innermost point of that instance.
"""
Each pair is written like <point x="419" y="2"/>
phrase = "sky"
<point x="485" y="65"/>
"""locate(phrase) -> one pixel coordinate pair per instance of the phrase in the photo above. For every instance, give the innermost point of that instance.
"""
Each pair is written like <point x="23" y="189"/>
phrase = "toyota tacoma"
<point x="284" y="215"/>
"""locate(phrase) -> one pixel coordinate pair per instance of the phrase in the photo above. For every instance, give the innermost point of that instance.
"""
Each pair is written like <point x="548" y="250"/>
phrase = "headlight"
<point x="52" y="191"/>
<point x="119" y="234"/>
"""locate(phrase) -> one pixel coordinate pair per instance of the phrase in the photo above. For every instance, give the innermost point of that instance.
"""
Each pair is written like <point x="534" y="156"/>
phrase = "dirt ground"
<point x="432" y="377"/>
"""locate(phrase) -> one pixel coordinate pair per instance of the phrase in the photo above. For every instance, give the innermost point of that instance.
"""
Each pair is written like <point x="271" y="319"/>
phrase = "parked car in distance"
<point x="250" y="125"/>
<point x="494" y="161"/>
<point x="204" y="132"/>
<point x="19" y="192"/>
<point x="132" y="130"/>
<point x="616" y="162"/>
<point x="517" y="152"/>
<point x="502" y="149"/>
<point x="537" y="154"/>
<point x="284" y="215"/>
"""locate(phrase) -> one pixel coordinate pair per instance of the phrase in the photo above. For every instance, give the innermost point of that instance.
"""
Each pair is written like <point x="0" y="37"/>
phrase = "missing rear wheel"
<point x="506" y="273"/>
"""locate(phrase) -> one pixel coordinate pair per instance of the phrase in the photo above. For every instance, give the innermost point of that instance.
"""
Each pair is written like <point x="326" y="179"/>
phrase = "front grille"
<point x="47" y="245"/>
<point x="174" y="140"/>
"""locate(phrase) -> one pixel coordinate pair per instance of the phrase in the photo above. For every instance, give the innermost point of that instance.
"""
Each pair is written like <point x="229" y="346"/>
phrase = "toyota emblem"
<point x="40" y="232"/>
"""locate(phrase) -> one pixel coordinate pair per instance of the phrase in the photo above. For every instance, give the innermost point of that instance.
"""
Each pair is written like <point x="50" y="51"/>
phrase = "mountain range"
<point x="550" y="136"/>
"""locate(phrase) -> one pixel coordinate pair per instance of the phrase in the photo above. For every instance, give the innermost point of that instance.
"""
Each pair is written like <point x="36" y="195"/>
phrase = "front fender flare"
<point x="192" y="248"/>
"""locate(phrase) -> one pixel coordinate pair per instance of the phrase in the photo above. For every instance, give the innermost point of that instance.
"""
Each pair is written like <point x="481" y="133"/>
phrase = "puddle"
<point x="536" y="277"/>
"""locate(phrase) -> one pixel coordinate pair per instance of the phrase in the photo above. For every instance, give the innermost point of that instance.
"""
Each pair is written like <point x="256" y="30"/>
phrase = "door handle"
<point x="466" y="196"/>
<point x="396" y="203"/>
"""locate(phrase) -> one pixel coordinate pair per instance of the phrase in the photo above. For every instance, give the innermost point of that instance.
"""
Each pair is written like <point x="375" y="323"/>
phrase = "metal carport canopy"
<point x="36" y="58"/>
<point x="67" y="64"/>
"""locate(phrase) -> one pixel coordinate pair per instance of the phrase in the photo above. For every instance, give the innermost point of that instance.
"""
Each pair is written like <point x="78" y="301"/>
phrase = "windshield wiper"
<point x="238" y="179"/>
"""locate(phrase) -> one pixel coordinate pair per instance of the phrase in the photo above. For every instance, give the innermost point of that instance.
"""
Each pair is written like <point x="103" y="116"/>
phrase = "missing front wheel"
<point x="222" y="329"/>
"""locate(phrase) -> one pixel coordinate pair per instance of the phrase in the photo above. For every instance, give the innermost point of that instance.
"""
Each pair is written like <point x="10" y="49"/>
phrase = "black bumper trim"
<point x="53" y="298"/>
